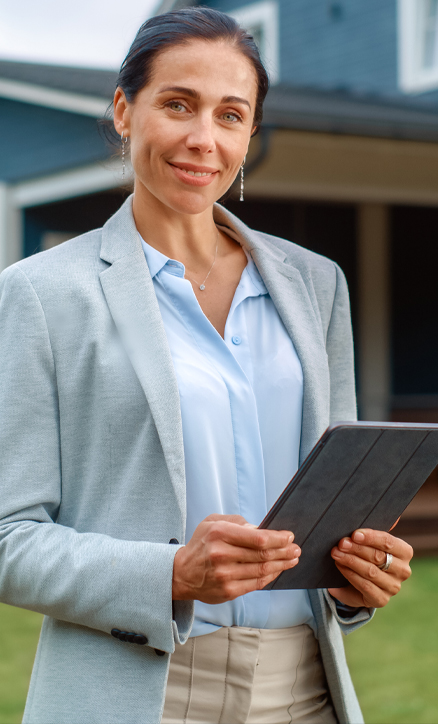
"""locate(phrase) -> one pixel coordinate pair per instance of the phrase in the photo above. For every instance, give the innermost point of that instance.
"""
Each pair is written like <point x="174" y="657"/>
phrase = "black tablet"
<point x="359" y="475"/>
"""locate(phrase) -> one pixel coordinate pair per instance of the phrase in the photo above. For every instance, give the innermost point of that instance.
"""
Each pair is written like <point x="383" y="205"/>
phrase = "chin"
<point x="189" y="203"/>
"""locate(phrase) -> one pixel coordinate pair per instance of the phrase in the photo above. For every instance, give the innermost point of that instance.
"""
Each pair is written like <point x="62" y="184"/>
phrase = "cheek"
<point x="151" y="141"/>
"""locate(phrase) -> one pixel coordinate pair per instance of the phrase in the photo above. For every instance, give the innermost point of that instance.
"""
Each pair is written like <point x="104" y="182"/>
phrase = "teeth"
<point x="196" y="173"/>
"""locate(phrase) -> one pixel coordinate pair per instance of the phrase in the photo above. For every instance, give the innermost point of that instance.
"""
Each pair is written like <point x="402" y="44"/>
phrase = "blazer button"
<point x="174" y="541"/>
<point x="159" y="652"/>
<point x="130" y="637"/>
<point x="139" y="639"/>
<point x="123" y="635"/>
<point x="115" y="632"/>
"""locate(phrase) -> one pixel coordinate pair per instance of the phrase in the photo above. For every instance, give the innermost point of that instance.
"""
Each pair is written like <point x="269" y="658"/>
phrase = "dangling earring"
<point x="124" y="141"/>
<point x="242" y="179"/>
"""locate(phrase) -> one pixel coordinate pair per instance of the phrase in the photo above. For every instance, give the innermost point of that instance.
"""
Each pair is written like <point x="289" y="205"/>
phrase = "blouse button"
<point x="236" y="339"/>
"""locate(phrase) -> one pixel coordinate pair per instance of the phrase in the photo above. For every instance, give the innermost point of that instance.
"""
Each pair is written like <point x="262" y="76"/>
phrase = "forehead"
<point x="199" y="64"/>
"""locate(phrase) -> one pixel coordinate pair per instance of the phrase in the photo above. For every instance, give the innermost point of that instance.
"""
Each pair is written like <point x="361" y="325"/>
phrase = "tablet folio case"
<point x="358" y="476"/>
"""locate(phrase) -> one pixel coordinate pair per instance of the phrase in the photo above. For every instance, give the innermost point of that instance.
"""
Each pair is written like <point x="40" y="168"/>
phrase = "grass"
<point x="393" y="661"/>
<point x="19" y="631"/>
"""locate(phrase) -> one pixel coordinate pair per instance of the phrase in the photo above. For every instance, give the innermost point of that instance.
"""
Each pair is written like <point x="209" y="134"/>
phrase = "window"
<point x="418" y="45"/>
<point x="261" y="20"/>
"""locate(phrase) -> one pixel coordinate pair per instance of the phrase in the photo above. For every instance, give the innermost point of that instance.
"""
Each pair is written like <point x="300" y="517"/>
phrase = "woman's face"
<point x="190" y="126"/>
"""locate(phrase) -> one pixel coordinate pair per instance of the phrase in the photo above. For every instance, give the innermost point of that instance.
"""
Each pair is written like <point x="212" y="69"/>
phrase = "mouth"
<point x="194" y="175"/>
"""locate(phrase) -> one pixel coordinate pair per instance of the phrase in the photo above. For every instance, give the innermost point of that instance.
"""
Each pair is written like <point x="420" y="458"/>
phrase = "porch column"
<point x="10" y="229"/>
<point x="374" y="311"/>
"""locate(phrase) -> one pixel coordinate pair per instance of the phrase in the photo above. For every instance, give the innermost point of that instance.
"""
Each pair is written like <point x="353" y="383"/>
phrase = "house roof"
<point x="86" y="81"/>
<point x="44" y="112"/>
<point x="347" y="113"/>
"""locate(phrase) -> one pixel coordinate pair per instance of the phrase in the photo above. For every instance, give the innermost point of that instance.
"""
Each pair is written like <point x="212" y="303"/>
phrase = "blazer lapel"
<point x="289" y="293"/>
<point x="129" y="292"/>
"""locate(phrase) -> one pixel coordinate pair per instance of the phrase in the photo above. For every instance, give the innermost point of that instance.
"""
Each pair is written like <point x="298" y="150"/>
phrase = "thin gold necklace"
<point x="202" y="285"/>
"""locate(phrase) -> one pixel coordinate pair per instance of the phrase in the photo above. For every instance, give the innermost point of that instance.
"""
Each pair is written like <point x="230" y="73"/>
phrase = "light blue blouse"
<point x="241" y="407"/>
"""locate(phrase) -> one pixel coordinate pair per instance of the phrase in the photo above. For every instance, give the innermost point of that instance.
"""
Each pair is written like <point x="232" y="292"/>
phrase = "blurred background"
<point x="346" y="164"/>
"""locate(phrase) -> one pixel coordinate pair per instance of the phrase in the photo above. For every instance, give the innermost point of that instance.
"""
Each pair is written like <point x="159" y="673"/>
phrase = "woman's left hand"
<point x="358" y="558"/>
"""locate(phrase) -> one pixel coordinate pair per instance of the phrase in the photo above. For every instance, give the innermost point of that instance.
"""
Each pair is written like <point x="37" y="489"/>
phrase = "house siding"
<point x="347" y="45"/>
<point x="39" y="140"/>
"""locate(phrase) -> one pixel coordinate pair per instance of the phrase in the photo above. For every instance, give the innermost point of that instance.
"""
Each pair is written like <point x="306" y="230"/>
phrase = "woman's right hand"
<point x="227" y="557"/>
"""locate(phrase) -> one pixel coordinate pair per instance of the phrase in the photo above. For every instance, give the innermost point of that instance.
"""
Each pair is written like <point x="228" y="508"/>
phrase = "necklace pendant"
<point x="202" y="287"/>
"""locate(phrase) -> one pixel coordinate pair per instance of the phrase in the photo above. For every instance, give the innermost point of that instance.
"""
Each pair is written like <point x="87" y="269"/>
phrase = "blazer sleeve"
<point x="84" y="578"/>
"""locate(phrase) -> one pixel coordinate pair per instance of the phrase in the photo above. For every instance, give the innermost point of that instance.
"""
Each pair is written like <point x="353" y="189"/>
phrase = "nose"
<point x="201" y="134"/>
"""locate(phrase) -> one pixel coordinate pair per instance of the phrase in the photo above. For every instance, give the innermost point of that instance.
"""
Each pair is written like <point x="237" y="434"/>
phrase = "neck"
<point x="189" y="238"/>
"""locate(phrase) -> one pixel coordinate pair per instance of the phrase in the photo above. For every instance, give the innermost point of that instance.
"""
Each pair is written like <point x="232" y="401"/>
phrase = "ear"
<point x="122" y="114"/>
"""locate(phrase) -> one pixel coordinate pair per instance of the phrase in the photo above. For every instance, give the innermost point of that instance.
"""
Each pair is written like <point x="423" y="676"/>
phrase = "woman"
<point x="177" y="360"/>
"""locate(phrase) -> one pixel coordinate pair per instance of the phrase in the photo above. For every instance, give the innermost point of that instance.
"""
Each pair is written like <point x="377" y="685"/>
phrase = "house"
<point x="346" y="163"/>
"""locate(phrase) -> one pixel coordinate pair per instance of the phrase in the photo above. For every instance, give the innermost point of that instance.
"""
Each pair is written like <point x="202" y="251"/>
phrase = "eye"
<point x="176" y="106"/>
<point x="231" y="117"/>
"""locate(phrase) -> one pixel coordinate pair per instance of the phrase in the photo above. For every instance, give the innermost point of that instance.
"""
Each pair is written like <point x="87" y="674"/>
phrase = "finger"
<point x="248" y="537"/>
<point x="399" y="569"/>
<point x="237" y="519"/>
<point x="372" y="555"/>
<point x="220" y="553"/>
<point x="383" y="541"/>
<point x="234" y="588"/>
<point x="237" y="554"/>
<point x="373" y="595"/>
<point x="263" y="570"/>
<point x="389" y="581"/>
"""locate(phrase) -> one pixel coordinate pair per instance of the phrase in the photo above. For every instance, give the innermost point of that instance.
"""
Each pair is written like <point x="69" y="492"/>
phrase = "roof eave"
<point x="50" y="98"/>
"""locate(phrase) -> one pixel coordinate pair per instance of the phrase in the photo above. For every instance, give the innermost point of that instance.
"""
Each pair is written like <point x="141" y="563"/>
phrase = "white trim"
<point x="50" y="98"/>
<point x="412" y="77"/>
<point x="77" y="182"/>
<point x="265" y="14"/>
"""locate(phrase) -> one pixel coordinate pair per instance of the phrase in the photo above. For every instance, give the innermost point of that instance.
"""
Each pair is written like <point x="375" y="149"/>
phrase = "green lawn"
<point x="19" y="631"/>
<point x="394" y="660"/>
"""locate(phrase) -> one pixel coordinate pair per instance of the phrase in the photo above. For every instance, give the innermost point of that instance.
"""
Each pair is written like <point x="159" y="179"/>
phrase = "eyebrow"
<point x="194" y="94"/>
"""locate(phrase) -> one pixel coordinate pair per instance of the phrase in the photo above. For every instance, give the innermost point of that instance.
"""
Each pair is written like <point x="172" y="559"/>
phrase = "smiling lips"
<point x="194" y="175"/>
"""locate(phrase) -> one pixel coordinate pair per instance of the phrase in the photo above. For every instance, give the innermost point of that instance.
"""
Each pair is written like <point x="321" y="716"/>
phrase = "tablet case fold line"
<point x="332" y="501"/>
<point x="395" y="478"/>
<point x="328" y="506"/>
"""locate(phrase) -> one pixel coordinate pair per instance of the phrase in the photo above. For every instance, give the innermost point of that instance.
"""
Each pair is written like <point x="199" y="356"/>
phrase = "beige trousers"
<point x="248" y="676"/>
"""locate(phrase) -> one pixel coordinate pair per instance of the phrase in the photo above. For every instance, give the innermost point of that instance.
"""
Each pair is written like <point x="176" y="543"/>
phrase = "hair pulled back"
<point x="179" y="27"/>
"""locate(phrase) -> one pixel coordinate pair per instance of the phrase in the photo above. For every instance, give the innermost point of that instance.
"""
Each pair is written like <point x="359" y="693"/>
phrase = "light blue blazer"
<point x="92" y="484"/>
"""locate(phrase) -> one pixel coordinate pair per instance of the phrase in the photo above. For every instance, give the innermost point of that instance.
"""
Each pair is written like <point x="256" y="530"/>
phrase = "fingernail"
<point x="346" y="544"/>
<point x="358" y="536"/>
<point x="291" y="539"/>
<point x="337" y="553"/>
